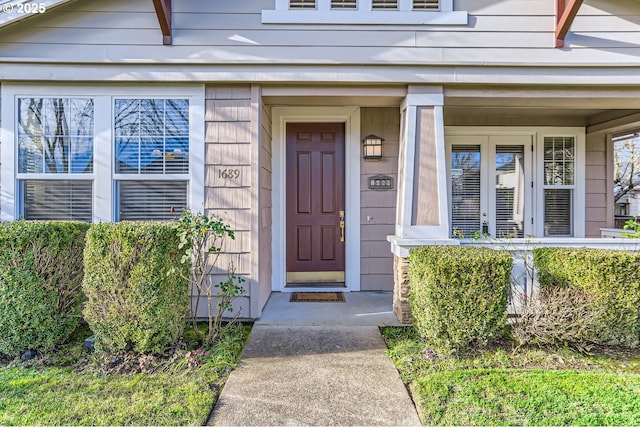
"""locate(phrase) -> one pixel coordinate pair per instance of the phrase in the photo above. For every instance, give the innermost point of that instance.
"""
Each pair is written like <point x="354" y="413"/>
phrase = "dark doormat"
<point x="317" y="297"/>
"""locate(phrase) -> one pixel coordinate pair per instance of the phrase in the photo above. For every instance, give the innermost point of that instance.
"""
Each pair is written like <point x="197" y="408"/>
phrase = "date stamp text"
<point x="23" y="8"/>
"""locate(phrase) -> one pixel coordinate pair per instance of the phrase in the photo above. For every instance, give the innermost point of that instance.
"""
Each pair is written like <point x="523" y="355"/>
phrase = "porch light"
<point x="372" y="147"/>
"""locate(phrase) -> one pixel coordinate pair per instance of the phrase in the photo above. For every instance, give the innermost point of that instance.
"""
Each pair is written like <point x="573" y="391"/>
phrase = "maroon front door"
<point x="315" y="202"/>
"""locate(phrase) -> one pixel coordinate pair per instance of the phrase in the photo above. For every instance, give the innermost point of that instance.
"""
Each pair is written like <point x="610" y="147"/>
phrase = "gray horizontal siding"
<point x="604" y="32"/>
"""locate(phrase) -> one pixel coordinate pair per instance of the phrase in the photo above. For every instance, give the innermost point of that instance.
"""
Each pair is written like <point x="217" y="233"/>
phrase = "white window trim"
<point x="103" y="176"/>
<point x="405" y="15"/>
<point x="579" y="186"/>
<point x="537" y="200"/>
<point x="351" y="117"/>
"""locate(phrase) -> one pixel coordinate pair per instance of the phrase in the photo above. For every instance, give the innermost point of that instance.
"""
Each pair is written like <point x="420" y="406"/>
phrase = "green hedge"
<point x="610" y="278"/>
<point x="458" y="294"/>
<point x="40" y="283"/>
<point x="136" y="298"/>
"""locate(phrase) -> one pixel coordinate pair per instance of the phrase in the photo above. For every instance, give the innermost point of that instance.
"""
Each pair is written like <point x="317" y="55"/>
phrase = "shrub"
<point x="201" y="238"/>
<point x="611" y="279"/>
<point x="137" y="296"/>
<point x="558" y="316"/>
<point x="458" y="294"/>
<point x="40" y="283"/>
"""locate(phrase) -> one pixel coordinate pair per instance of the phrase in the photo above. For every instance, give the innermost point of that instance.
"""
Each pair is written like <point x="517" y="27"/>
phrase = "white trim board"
<point x="350" y="116"/>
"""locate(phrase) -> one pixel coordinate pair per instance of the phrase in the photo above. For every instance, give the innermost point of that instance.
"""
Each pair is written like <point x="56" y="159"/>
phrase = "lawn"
<point x="505" y="386"/>
<point x="66" y="387"/>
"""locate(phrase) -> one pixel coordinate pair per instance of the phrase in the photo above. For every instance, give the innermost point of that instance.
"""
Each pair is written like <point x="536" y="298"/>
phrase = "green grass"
<point x="58" y="394"/>
<point x="503" y="386"/>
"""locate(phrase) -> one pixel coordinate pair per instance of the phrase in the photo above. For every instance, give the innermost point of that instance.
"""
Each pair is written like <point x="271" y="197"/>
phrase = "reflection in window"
<point x="465" y="189"/>
<point x="55" y="135"/>
<point x="151" y="136"/>
<point x="559" y="183"/>
<point x="509" y="191"/>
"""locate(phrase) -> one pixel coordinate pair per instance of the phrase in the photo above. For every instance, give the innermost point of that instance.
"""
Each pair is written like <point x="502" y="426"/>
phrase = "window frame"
<point x="536" y="194"/>
<point x="104" y="203"/>
<point x="578" y="196"/>
<point x="22" y="177"/>
<point x="119" y="177"/>
<point x="405" y="14"/>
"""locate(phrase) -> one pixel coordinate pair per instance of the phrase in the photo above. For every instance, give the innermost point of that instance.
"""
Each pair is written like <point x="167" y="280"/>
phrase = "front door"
<point x="315" y="171"/>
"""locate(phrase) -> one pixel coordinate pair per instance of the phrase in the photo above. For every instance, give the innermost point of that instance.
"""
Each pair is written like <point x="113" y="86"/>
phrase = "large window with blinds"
<point x="516" y="182"/>
<point x="100" y="153"/>
<point x="559" y="185"/>
<point x="151" y="157"/>
<point x="55" y="139"/>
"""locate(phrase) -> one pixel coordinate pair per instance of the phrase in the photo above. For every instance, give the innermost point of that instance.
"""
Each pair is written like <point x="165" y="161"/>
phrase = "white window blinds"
<point x="426" y="4"/>
<point x="152" y="200"/>
<point x="384" y="4"/>
<point x="509" y="191"/>
<point x="559" y="183"/>
<point x="302" y="4"/>
<point x="344" y="4"/>
<point x="465" y="189"/>
<point x="64" y="200"/>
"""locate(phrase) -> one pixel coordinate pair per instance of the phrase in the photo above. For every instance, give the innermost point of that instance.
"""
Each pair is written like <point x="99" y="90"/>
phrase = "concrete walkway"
<point x="317" y="364"/>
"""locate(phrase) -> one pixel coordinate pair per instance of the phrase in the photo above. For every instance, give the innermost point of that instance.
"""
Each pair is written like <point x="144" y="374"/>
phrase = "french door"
<point x="490" y="185"/>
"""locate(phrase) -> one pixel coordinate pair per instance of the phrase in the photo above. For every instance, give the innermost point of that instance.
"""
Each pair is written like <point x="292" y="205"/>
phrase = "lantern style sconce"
<point x="372" y="147"/>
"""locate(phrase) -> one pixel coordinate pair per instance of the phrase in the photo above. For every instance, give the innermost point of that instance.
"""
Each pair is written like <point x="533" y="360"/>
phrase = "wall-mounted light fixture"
<point x="372" y="147"/>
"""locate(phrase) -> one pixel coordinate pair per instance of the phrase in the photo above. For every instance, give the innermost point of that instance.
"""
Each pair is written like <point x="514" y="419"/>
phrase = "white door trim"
<point x="350" y="116"/>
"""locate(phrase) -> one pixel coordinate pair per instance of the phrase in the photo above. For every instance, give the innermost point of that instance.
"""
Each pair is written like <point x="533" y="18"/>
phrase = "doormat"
<point x="317" y="297"/>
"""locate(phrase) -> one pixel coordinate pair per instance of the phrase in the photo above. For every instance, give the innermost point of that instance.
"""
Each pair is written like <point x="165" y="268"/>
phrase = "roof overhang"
<point x="17" y="10"/>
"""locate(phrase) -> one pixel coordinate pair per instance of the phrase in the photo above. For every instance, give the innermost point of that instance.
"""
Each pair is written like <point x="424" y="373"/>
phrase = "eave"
<point x="10" y="9"/>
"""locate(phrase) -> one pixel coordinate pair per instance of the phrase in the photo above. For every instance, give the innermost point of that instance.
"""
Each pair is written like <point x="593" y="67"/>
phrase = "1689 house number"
<point x="230" y="174"/>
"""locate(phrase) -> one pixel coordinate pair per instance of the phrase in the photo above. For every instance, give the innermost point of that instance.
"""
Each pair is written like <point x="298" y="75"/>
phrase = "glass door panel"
<point x="509" y="191"/>
<point x="465" y="189"/>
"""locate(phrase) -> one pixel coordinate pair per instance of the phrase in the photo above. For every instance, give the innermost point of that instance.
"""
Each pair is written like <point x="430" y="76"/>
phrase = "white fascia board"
<point x="17" y="10"/>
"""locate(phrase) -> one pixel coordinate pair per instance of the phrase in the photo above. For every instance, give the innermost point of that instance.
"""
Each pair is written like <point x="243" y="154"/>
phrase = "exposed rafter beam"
<point x="565" y="13"/>
<point x="163" y="10"/>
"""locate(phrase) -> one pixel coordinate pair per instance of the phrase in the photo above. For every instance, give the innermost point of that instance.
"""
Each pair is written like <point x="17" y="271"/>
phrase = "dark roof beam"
<point x="565" y="13"/>
<point x="163" y="10"/>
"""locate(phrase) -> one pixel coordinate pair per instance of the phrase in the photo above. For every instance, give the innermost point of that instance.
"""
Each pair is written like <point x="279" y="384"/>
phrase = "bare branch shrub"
<point x="559" y="317"/>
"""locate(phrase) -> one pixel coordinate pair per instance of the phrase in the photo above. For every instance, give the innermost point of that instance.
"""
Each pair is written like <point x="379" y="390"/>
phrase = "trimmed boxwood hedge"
<point x="136" y="297"/>
<point x="40" y="283"/>
<point x="458" y="294"/>
<point x="610" y="278"/>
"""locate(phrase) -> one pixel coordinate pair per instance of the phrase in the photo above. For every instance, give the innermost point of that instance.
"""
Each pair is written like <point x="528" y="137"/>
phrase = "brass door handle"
<point x="342" y="231"/>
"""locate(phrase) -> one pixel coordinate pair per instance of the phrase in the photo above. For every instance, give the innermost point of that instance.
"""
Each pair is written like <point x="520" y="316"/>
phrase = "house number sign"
<point x="380" y="182"/>
<point x="230" y="174"/>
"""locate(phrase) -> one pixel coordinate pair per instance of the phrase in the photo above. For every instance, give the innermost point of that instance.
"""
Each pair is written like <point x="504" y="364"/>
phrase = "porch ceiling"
<point x="566" y="106"/>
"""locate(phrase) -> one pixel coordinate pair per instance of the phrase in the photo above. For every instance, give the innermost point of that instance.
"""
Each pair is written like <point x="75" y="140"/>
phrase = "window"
<point x="344" y="4"/>
<point x="465" y="190"/>
<point x="384" y="4"/>
<point x="426" y="4"/>
<point x="302" y="4"/>
<point x="101" y="153"/>
<point x="55" y="138"/>
<point x="354" y="12"/>
<point x="559" y="185"/>
<point x="514" y="182"/>
<point x="151" y="139"/>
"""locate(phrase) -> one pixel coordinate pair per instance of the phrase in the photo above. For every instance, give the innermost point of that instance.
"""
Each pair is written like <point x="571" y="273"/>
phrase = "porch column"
<point x="422" y="212"/>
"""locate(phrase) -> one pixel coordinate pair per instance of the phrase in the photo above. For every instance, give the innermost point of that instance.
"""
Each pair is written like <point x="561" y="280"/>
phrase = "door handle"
<point x="341" y="226"/>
